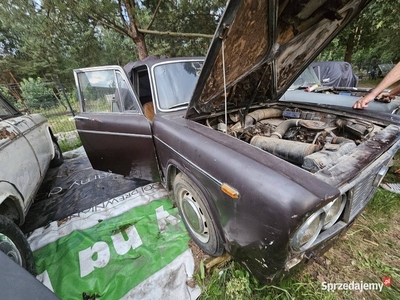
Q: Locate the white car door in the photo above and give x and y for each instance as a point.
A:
(34, 128)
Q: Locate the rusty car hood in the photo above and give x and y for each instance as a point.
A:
(267, 44)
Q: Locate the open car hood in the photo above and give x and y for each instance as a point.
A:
(267, 44)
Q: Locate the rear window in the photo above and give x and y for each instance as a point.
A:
(6, 110)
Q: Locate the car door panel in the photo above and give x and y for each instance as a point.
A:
(117, 137)
(12, 144)
(121, 146)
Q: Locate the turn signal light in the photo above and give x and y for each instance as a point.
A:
(230, 191)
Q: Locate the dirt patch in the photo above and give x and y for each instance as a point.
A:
(209, 262)
(198, 255)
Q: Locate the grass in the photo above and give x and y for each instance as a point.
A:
(233, 282)
(67, 145)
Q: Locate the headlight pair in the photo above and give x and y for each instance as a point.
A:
(322, 219)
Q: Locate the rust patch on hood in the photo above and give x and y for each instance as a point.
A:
(5, 134)
(246, 45)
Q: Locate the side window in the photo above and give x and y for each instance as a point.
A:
(105, 91)
(125, 95)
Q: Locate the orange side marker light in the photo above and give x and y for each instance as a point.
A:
(230, 191)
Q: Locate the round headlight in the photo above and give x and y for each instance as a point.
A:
(333, 210)
(308, 232)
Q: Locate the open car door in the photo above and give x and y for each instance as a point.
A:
(117, 137)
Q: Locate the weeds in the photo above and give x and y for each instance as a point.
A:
(238, 286)
(66, 145)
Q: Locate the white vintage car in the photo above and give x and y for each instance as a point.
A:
(27, 149)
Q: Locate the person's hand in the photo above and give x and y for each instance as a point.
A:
(363, 102)
(384, 97)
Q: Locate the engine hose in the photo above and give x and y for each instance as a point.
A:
(341, 140)
(281, 129)
(288, 150)
(260, 114)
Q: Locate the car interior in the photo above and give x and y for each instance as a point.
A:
(145, 97)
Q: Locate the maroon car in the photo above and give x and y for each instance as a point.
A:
(273, 183)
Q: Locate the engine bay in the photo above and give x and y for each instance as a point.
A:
(309, 139)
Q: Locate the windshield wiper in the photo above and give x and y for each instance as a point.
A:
(178, 105)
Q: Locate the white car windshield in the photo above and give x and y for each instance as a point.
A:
(175, 83)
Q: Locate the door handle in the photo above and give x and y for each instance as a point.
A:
(86, 119)
(16, 122)
(81, 118)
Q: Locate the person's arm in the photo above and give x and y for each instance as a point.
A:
(388, 96)
(395, 91)
(392, 77)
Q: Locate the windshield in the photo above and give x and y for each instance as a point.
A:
(307, 78)
(175, 83)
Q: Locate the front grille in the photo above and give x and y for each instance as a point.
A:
(363, 192)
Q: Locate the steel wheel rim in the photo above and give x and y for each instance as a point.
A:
(194, 216)
(8, 247)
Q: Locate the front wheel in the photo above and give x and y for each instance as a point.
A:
(196, 215)
(14, 244)
(58, 157)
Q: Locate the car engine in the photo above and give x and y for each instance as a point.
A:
(312, 140)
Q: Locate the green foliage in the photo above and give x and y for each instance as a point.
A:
(184, 17)
(36, 94)
(48, 39)
(4, 91)
(374, 35)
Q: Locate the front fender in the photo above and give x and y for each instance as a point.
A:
(201, 182)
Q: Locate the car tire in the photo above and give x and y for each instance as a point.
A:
(14, 244)
(58, 156)
(196, 216)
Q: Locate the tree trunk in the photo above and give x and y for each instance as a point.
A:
(141, 47)
(135, 35)
(350, 44)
